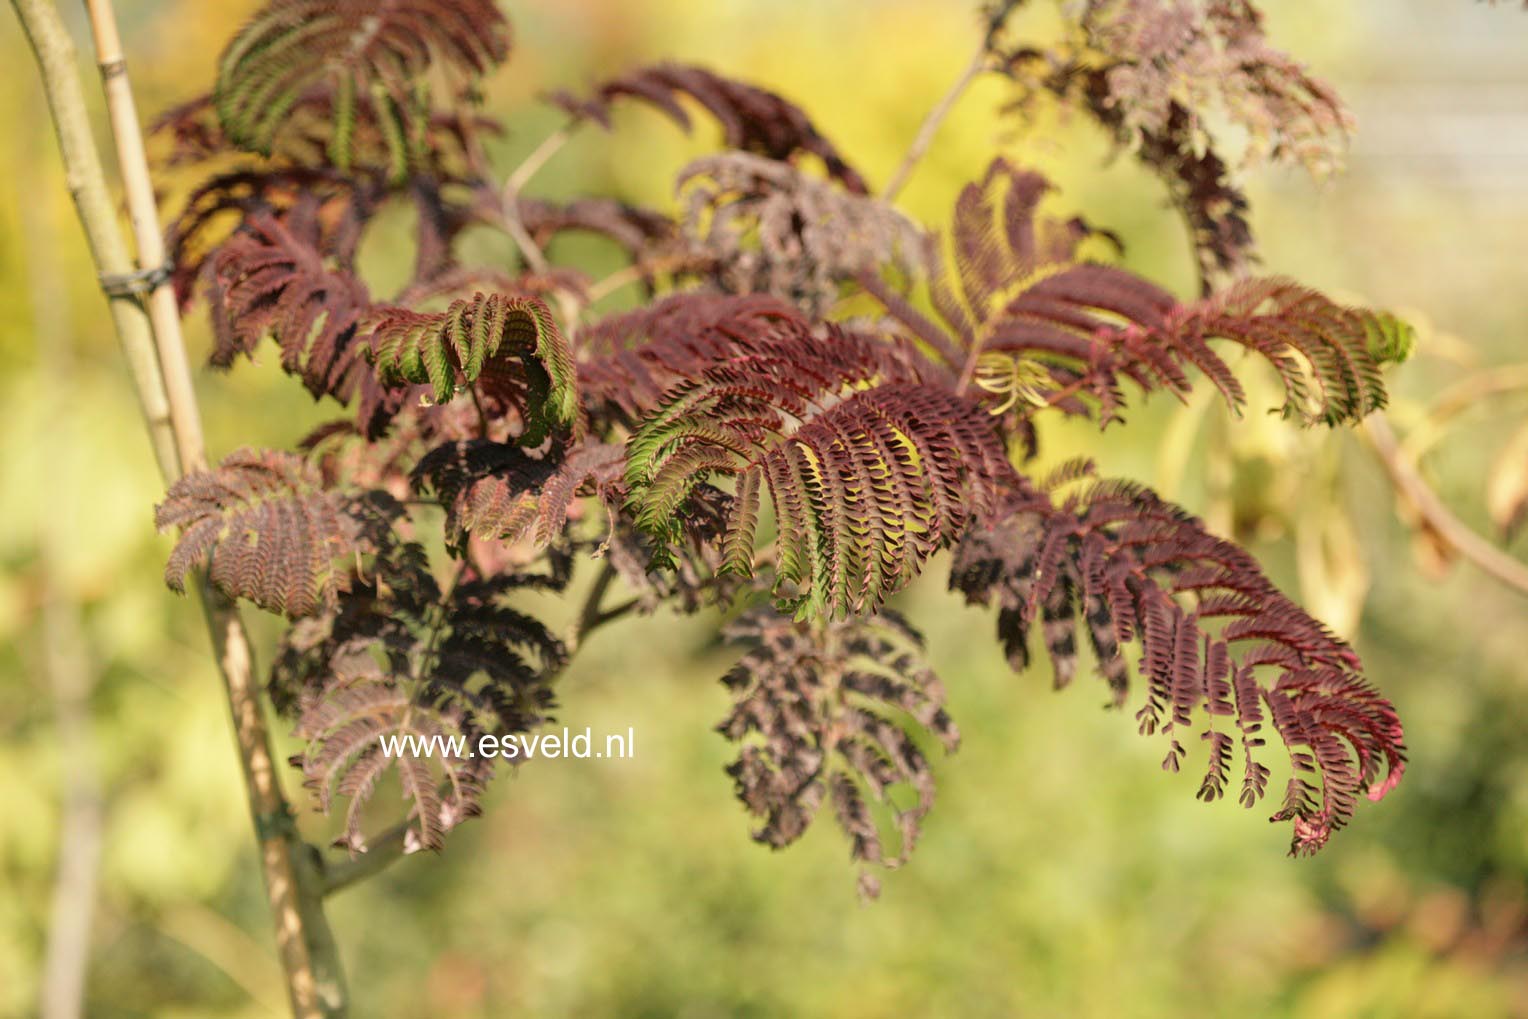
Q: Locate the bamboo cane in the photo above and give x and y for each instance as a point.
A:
(164, 315)
(61, 87)
(292, 870)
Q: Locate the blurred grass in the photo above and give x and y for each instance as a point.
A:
(1062, 874)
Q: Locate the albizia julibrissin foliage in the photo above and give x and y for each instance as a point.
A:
(738, 439)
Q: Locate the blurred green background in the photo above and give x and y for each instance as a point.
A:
(1062, 873)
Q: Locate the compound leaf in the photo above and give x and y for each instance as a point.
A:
(828, 713)
(510, 343)
(752, 119)
(357, 53)
(870, 469)
(1138, 569)
(270, 532)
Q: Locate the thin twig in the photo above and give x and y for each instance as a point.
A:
(548, 148)
(509, 196)
(592, 606)
(509, 218)
(634, 273)
(386, 849)
(902, 310)
(968, 369)
(624, 277)
(611, 614)
(1458, 398)
(482, 416)
(1453, 532)
(932, 122)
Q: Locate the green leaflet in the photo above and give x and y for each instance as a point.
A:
(509, 346)
(1391, 338)
(344, 123)
(343, 57)
(862, 492)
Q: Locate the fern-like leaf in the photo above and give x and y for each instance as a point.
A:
(1208, 622)
(752, 119)
(493, 658)
(870, 469)
(344, 758)
(1204, 57)
(1037, 329)
(627, 361)
(1201, 186)
(330, 129)
(358, 54)
(1154, 75)
(686, 576)
(270, 532)
(268, 283)
(767, 227)
(328, 197)
(511, 344)
(495, 490)
(323, 210)
(1199, 182)
(1328, 357)
(399, 658)
(828, 713)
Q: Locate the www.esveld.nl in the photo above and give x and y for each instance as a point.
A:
(550, 745)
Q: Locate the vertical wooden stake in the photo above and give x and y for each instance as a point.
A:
(151, 339)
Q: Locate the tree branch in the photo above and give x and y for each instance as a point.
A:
(385, 850)
(932, 122)
(68, 672)
(588, 616)
(66, 663)
(1453, 531)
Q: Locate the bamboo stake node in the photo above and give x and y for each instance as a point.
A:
(136, 283)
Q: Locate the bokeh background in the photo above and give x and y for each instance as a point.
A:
(1062, 873)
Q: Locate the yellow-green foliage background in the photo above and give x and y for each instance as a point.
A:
(1063, 874)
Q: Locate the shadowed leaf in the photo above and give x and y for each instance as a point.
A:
(826, 714)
